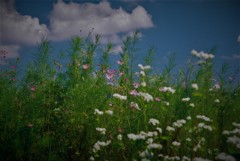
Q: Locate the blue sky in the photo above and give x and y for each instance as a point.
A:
(170, 26)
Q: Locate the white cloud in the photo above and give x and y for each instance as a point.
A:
(238, 39)
(17, 28)
(117, 49)
(67, 19)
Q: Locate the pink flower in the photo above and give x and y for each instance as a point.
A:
(85, 66)
(121, 73)
(33, 88)
(110, 74)
(120, 62)
(136, 84)
(30, 125)
(158, 99)
(134, 92)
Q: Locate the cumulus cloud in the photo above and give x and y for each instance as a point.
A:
(233, 57)
(19, 29)
(67, 19)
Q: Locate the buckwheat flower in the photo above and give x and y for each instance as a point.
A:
(203, 118)
(147, 96)
(119, 137)
(188, 139)
(86, 66)
(192, 105)
(200, 159)
(143, 84)
(121, 97)
(166, 103)
(169, 128)
(154, 146)
(176, 158)
(159, 130)
(216, 100)
(134, 105)
(98, 112)
(189, 118)
(236, 124)
(149, 141)
(151, 134)
(179, 123)
(225, 132)
(175, 143)
(185, 158)
(142, 73)
(98, 144)
(153, 121)
(201, 125)
(121, 73)
(144, 67)
(234, 140)
(194, 53)
(136, 137)
(186, 99)
(145, 154)
(226, 157)
(91, 158)
(195, 86)
(101, 130)
(109, 112)
(167, 89)
(135, 84)
(133, 92)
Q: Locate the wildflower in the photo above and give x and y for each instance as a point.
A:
(179, 123)
(30, 125)
(153, 121)
(192, 105)
(33, 88)
(119, 137)
(86, 66)
(234, 140)
(136, 85)
(159, 130)
(136, 137)
(175, 143)
(98, 112)
(169, 128)
(143, 84)
(224, 156)
(203, 118)
(154, 146)
(119, 62)
(189, 118)
(166, 103)
(134, 105)
(147, 96)
(98, 144)
(121, 97)
(195, 86)
(236, 124)
(200, 159)
(158, 99)
(109, 112)
(101, 130)
(142, 73)
(186, 99)
(121, 73)
(144, 67)
(91, 158)
(188, 139)
(110, 74)
(185, 158)
(133, 92)
(167, 89)
(216, 100)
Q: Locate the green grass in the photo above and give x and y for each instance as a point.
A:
(51, 113)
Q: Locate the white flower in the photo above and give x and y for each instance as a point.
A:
(167, 89)
(136, 137)
(189, 118)
(166, 103)
(216, 100)
(149, 141)
(109, 112)
(224, 156)
(185, 158)
(98, 112)
(134, 106)
(147, 96)
(91, 158)
(203, 118)
(186, 99)
(143, 84)
(142, 73)
(159, 130)
(98, 144)
(169, 128)
(195, 86)
(234, 140)
(119, 137)
(101, 130)
(153, 121)
(154, 146)
(188, 139)
(144, 67)
(192, 105)
(175, 143)
(236, 124)
(179, 123)
(200, 159)
(121, 97)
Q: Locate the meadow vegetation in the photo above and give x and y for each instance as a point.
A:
(80, 110)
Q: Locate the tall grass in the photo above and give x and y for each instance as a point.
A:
(78, 111)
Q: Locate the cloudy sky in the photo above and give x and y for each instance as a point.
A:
(170, 26)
